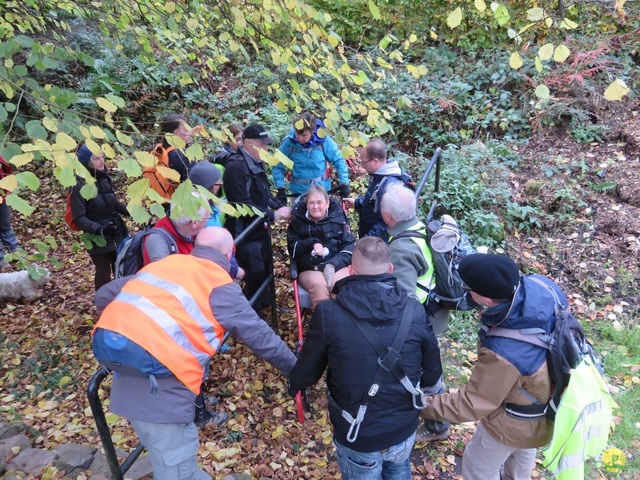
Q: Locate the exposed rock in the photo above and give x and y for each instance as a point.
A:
(21, 441)
(73, 457)
(32, 460)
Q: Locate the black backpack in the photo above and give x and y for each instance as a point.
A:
(129, 254)
(447, 256)
(566, 346)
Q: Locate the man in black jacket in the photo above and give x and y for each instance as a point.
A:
(246, 183)
(380, 442)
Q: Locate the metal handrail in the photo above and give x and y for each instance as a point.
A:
(435, 160)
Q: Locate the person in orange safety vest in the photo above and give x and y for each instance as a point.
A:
(178, 309)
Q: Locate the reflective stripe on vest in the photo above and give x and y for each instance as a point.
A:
(169, 314)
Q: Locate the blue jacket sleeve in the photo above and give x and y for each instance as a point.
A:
(277, 172)
(332, 153)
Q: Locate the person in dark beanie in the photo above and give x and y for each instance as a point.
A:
(100, 215)
(510, 384)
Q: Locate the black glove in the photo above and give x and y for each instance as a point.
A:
(344, 190)
(282, 196)
(108, 230)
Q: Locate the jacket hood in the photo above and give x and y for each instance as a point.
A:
(300, 210)
(389, 168)
(371, 297)
(315, 139)
(533, 307)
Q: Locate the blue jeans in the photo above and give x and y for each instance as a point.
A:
(392, 463)
(8, 239)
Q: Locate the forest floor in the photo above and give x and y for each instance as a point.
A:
(589, 242)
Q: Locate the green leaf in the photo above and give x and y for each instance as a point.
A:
(375, 11)
(194, 152)
(502, 15)
(130, 167)
(157, 210)
(137, 191)
(89, 191)
(138, 213)
(542, 92)
(117, 101)
(65, 176)
(19, 205)
(454, 18)
(29, 180)
(37, 132)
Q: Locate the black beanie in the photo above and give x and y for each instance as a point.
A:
(492, 276)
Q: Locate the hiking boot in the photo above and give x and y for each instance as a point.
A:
(424, 435)
(209, 417)
(211, 400)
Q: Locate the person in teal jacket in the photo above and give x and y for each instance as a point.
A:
(310, 152)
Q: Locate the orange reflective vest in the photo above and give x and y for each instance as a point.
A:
(168, 314)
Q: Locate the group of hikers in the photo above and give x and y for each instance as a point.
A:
(373, 326)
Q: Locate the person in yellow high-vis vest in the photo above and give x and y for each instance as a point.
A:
(581, 426)
(178, 310)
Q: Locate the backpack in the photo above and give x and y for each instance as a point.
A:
(68, 214)
(566, 347)
(448, 245)
(162, 185)
(129, 258)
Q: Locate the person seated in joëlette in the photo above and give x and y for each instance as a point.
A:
(320, 241)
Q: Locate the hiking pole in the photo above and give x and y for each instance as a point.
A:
(298, 397)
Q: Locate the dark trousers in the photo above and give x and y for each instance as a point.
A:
(105, 266)
(252, 256)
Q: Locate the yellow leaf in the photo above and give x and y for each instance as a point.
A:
(50, 124)
(277, 432)
(169, 173)
(192, 24)
(64, 381)
(480, 5)
(106, 104)
(22, 159)
(454, 18)
(545, 52)
(515, 60)
(9, 183)
(122, 138)
(561, 54)
(433, 35)
(568, 24)
(97, 132)
(93, 146)
(616, 90)
(65, 142)
(538, 65)
(108, 150)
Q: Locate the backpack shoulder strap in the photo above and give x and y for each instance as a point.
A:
(173, 246)
(388, 362)
(534, 336)
(411, 233)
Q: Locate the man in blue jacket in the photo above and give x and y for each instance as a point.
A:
(380, 442)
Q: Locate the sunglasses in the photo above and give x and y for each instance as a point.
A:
(465, 287)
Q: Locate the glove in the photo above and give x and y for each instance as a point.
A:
(329, 270)
(344, 190)
(108, 230)
(282, 196)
